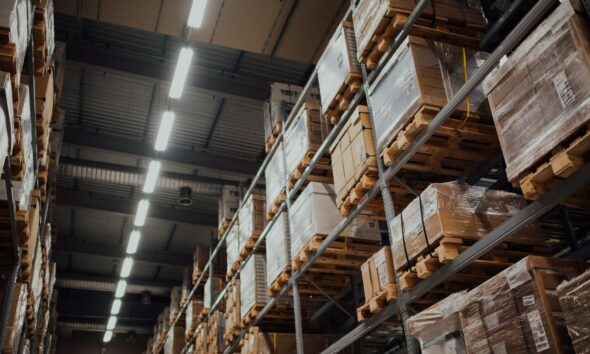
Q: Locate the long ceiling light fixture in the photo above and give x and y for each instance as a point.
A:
(126, 268)
(134, 238)
(121, 288)
(164, 131)
(195, 18)
(181, 72)
(151, 177)
(108, 335)
(142, 210)
(116, 307)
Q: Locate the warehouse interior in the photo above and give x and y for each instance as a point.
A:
(295, 176)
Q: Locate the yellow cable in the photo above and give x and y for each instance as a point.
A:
(465, 78)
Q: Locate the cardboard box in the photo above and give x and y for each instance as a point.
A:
(253, 287)
(278, 249)
(16, 316)
(175, 341)
(251, 216)
(228, 203)
(574, 298)
(275, 176)
(16, 17)
(377, 272)
(208, 299)
(193, 310)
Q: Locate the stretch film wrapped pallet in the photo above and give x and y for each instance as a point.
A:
(16, 21)
(208, 298)
(421, 73)
(451, 211)
(7, 133)
(275, 176)
(252, 215)
(44, 33)
(377, 273)
(175, 295)
(253, 288)
(232, 316)
(232, 242)
(216, 344)
(574, 297)
(228, 205)
(278, 250)
(193, 310)
(175, 340)
(16, 316)
(541, 95)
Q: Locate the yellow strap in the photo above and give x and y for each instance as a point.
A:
(274, 343)
(465, 78)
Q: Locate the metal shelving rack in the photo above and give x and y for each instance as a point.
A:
(530, 213)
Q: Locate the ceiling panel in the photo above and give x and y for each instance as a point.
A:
(173, 17)
(142, 14)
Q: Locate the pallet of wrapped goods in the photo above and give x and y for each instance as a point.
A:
(193, 310)
(43, 35)
(208, 298)
(275, 176)
(258, 342)
(278, 255)
(201, 338)
(252, 215)
(7, 108)
(34, 290)
(377, 22)
(232, 247)
(253, 289)
(16, 316)
(231, 316)
(175, 294)
(432, 72)
(16, 20)
(278, 107)
(574, 298)
(303, 138)
(540, 99)
(174, 341)
(216, 325)
(312, 217)
(379, 286)
(187, 284)
(339, 73)
(228, 205)
(200, 259)
(445, 220)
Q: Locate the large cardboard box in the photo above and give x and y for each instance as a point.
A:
(232, 244)
(377, 273)
(175, 341)
(253, 287)
(193, 311)
(541, 95)
(574, 298)
(208, 297)
(16, 17)
(278, 249)
(275, 175)
(228, 203)
(251, 216)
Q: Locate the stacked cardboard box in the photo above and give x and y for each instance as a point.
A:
(278, 255)
(175, 340)
(232, 247)
(574, 297)
(193, 310)
(231, 316)
(540, 98)
(252, 215)
(16, 316)
(175, 295)
(43, 34)
(253, 287)
(378, 273)
(275, 176)
(228, 205)
(16, 21)
(216, 326)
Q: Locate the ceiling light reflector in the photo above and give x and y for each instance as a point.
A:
(164, 131)
(195, 18)
(133, 241)
(142, 210)
(151, 177)
(180, 73)
(121, 287)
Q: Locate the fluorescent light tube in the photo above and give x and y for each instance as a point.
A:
(180, 73)
(108, 335)
(152, 176)
(195, 18)
(126, 268)
(116, 307)
(133, 241)
(121, 287)
(164, 131)
(142, 210)
(112, 323)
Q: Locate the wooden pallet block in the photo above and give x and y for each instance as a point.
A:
(277, 285)
(341, 102)
(223, 228)
(322, 171)
(563, 162)
(272, 139)
(377, 303)
(251, 314)
(461, 34)
(233, 270)
(276, 204)
(456, 149)
(343, 256)
(365, 180)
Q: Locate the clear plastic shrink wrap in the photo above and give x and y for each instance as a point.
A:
(574, 298)
(251, 216)
(228, 203)
(278, 249)
(455, 209)
(7, 137)
(315, 213)
(174, 341)
(541, 94)
(16, 17)
(232, 243)
(275, 176)
(421, 72)
(305, 134)
(253, 289)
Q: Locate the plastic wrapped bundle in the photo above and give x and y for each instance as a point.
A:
(208, 299)
(315, 213)
(175, 294)
(452, 211)
(16, 18)
(421, 73)
(251, 216)
(44, 33)
(541, 95)
(16, 316)
(216, 326)
(200, 259)
(339, 72)
(253, 288)
(278, 254)
(275, 176)
(438, 328)
(193, 310)
(7, 138)
(175, 341)
(232, 242)
(228, 204)
(574, 298)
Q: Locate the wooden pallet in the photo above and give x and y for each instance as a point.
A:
(377, 302)
(322, 171)
(272, 139)
(456, 149)
(564, 161)
(234, 268)
(366, 179)
(251, 314)
(279, 282)
(443, 30)
(343, 256)
(341, 102)
(273, 208)
(223, 228)
(449, 248)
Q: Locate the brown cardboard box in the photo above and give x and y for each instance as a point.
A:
(16, 316)
(258, 342)
(574, 298)
(367, 283)
(175, 340)
(377, 272)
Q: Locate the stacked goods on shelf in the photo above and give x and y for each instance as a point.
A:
(445, 220)
(208, 297)
(43, 34)
(516, 310)
(540, 98)
(378, 283)
(174, 340)
(278, 255)
(431, 72)
(275, 176)
(574, 298)
(200, 259)
(253, 290)
(354, 164)
(228, 205)
(377, 22)
(232, 244)
(231, 316)
(303, 137)
(339, 73)
(259, 342)
(278, 107)
(16, 21)
(187, 282)
(175, 295)
(216, 326)
(193, 310)
(201, 338)
(162, 325)
(7, 107)
(35, 288)
(252, 215)
(16, 316)
(312, 217)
